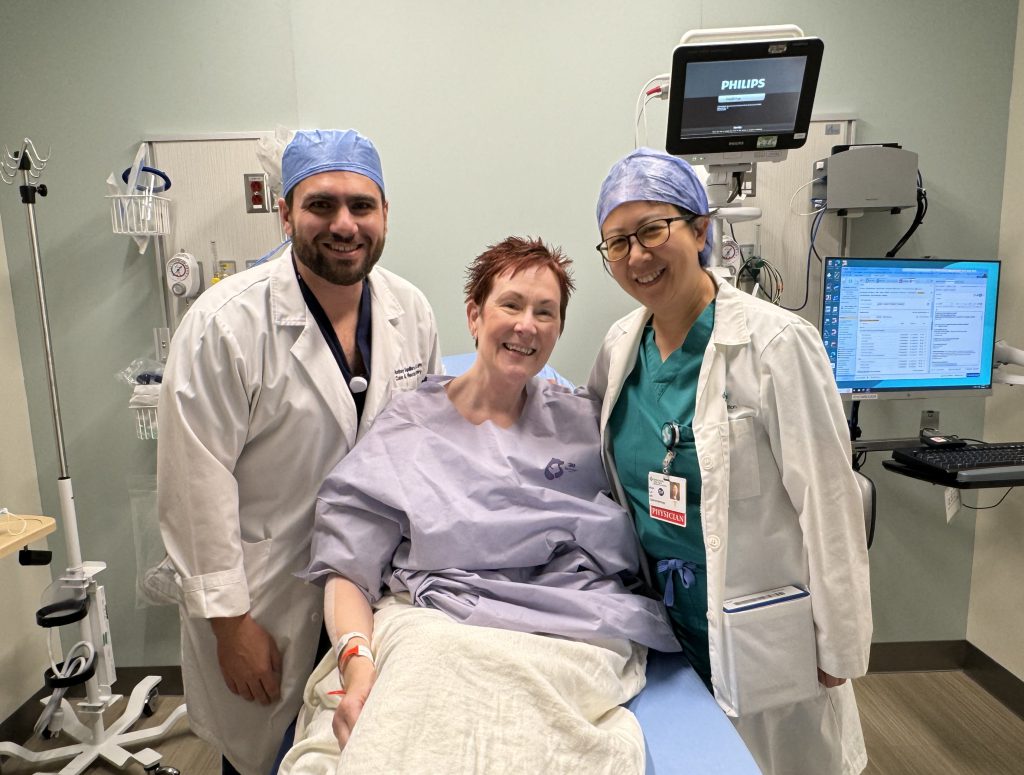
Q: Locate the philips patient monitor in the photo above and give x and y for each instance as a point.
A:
(909, 327)
(741, 101)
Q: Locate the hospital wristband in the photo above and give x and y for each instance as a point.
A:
(357, 651)
(339, 647)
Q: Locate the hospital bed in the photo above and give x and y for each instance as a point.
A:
(457, 364)
(685, 731)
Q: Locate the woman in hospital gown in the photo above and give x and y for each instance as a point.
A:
(732, 399)
(481, 500)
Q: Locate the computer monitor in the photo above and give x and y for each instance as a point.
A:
(741, 102)
(909, 327)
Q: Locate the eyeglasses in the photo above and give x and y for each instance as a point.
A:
(651, 235)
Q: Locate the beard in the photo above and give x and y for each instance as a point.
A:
(310, 255)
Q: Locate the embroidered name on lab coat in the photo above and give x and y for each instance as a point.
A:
(409, 372)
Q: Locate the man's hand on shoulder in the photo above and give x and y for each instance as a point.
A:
(249, 659)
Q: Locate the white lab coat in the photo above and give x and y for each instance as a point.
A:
(253, 414)
(779, 506)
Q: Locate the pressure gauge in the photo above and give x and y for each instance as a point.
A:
(730, 250)
(183, 277)
(731, 253)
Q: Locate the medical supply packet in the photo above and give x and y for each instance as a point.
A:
(769, 650)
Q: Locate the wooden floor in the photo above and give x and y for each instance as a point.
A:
(927, 723)
(937, 723)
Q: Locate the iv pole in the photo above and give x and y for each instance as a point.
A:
(94, 740)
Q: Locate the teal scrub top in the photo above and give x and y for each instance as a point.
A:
(656, 392)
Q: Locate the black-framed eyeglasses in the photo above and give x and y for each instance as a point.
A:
(651, 235)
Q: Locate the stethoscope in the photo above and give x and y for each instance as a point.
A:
(358, 385)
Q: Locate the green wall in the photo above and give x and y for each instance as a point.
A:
(492, 119)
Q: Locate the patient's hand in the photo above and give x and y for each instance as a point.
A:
(359, 678)
(249, 659)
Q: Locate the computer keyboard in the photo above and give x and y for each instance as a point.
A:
(976, 461)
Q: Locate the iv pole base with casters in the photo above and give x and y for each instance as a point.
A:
(95, 740)
(110, 746)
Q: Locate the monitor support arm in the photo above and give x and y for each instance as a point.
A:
(1005, 355)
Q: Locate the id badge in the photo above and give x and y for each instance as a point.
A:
(667, 496)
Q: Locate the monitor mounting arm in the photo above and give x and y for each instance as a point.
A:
(1005, 355)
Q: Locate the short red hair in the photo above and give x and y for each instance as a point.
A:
(513, 255)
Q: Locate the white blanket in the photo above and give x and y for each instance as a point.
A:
(457, 699)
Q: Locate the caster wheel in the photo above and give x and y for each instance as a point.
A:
(150, 707)
(156, 769)
(49, 734)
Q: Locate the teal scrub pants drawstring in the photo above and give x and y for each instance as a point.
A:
(686, 577)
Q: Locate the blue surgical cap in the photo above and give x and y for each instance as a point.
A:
(647, 175)
(329, 150)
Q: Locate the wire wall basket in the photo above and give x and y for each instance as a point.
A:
(145, 423)
(144, 401)
(140, 215)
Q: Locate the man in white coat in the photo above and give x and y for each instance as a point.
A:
(272, 376)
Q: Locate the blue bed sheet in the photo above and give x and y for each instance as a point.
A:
(684, 729)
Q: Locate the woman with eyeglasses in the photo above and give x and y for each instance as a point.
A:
(725, 437)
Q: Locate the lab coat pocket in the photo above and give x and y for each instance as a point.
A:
(744, 480)
(255, 559)
(769, 653)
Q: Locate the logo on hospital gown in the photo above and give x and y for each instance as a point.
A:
(556, 468)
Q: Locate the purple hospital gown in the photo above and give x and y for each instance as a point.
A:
(497, 527)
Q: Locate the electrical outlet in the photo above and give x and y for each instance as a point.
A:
(258, 198)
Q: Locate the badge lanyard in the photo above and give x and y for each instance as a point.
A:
(666, 493)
